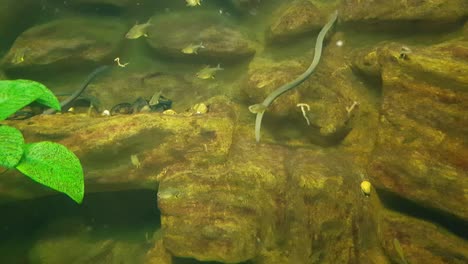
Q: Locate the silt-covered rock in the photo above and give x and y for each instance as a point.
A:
(65, 42)
(422, 152)
(170, 33)
(295, 19)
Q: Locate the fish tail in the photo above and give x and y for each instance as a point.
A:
(149, 21)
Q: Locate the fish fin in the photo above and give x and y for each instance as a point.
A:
(149, 21)
(219, 67)
(145, 35)
(201, 45)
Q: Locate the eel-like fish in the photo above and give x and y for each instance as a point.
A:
(77, 93)
(259, 109)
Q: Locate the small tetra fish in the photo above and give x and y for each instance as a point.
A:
(138, 30)
(208, 72)
(193, 2)
(193, 49)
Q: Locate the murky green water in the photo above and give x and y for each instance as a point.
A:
(113, 227)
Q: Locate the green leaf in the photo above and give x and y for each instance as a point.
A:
(16, 94)
(11, 146)
(55, 166)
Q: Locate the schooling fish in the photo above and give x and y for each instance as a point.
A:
(138, 30)
(208, 72)
(193, 2)
(193, 49)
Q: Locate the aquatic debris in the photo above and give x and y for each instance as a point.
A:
(399, 250)
(351, 108)
(208, 72)
(193, 2)
(105, 113)
(366, 188)
(138, 30)
(193, 49)
(281, 90)
(404, 51)
(200, 108)
(135, 161)
(303, 109)
(119, 64)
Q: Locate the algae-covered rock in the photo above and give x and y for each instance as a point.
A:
(65, 42)
(365, 61)
(410, 240)
(158, 254)
(266, 75)
(104, 146)
(277, 211)
(195, 223)
(422, 152)
(295, 19)
(170, 33)
(404, 15)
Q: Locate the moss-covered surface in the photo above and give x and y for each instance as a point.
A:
(404, 15)
(294, 19)
(423, 119)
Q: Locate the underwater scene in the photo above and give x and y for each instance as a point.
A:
(233, 131)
